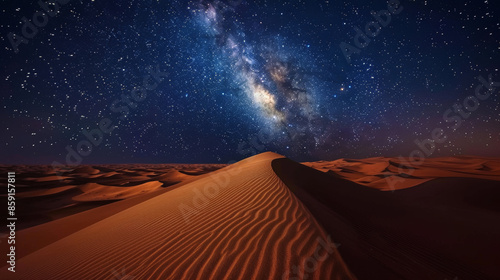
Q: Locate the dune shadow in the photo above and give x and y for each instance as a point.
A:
(443, 228)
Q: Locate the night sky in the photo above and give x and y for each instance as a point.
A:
(215, 81)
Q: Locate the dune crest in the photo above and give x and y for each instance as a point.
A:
(249, 227)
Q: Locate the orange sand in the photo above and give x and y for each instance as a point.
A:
(265, 217)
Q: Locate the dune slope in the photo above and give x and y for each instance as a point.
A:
(241, 222)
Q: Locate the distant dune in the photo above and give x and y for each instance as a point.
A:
(265, 217)
(397, 173)
(44, 194)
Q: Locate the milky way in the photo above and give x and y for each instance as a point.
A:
(264, 71)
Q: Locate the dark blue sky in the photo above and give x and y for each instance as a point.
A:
(227, 79)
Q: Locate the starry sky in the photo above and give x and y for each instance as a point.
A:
(215, 81)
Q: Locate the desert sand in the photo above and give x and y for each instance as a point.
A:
(399, 173)
(44, 194)
(248, 225)
(265, 217)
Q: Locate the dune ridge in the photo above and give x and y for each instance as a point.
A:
(254, 228)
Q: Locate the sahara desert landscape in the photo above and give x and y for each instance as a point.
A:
(250, 140)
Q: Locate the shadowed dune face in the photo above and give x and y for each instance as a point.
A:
(443, 228)
(400, 173)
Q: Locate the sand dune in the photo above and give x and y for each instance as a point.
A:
(395, 173)
(265, 217)
(97, 192)
(249, 227)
